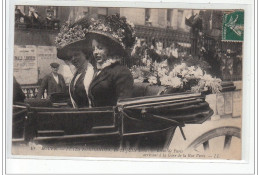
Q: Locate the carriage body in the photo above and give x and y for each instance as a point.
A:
(146, 122)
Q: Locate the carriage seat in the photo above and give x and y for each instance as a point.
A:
(35, 102)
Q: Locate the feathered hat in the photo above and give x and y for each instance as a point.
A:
(115, 29)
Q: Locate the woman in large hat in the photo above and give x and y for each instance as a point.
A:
(102, 42)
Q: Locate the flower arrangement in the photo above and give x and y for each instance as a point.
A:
(179, 76)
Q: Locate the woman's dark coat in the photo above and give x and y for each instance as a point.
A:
(111, 84)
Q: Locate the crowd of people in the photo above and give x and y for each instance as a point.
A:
(35, 20)
(174, 50)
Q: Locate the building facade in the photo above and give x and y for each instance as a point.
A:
(166, 25)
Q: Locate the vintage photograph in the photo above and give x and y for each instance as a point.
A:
(125, 82)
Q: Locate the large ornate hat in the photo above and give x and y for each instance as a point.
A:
(116, 29)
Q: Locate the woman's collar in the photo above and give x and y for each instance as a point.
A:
(107, 63)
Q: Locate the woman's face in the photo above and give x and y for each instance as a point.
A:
(99, 51)
(78, 58)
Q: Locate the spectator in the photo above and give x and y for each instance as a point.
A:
(53, 82)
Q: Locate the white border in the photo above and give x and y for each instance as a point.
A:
(72, 165)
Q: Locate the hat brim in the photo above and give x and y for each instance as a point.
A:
(84, 44)
(114, 47)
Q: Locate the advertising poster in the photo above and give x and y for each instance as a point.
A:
(25, 65)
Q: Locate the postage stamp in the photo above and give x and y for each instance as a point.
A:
(233, 26)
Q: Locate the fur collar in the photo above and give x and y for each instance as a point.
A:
(107, 63)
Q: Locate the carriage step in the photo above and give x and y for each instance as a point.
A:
(50, 133)
(98, 129)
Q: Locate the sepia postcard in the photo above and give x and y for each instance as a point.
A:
(127, 82)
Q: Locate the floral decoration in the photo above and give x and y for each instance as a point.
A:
(180, 76)
(70, 35)
(115, 27)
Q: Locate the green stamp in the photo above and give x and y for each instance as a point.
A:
(233, 26)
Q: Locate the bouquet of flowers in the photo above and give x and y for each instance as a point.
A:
(159, 66)
(180, 77)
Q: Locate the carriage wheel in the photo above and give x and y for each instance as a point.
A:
(227, 132)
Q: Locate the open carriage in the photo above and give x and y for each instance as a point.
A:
(148, 121)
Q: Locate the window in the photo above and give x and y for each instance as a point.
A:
(147, 17)
(180, 16)
(51, 12)
(86, 11)
(169, 17)
(102, 12)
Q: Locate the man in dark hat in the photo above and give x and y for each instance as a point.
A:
(53, 82)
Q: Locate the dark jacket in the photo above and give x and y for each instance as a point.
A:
(111, 84)
(51, 85)
(78, 92)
